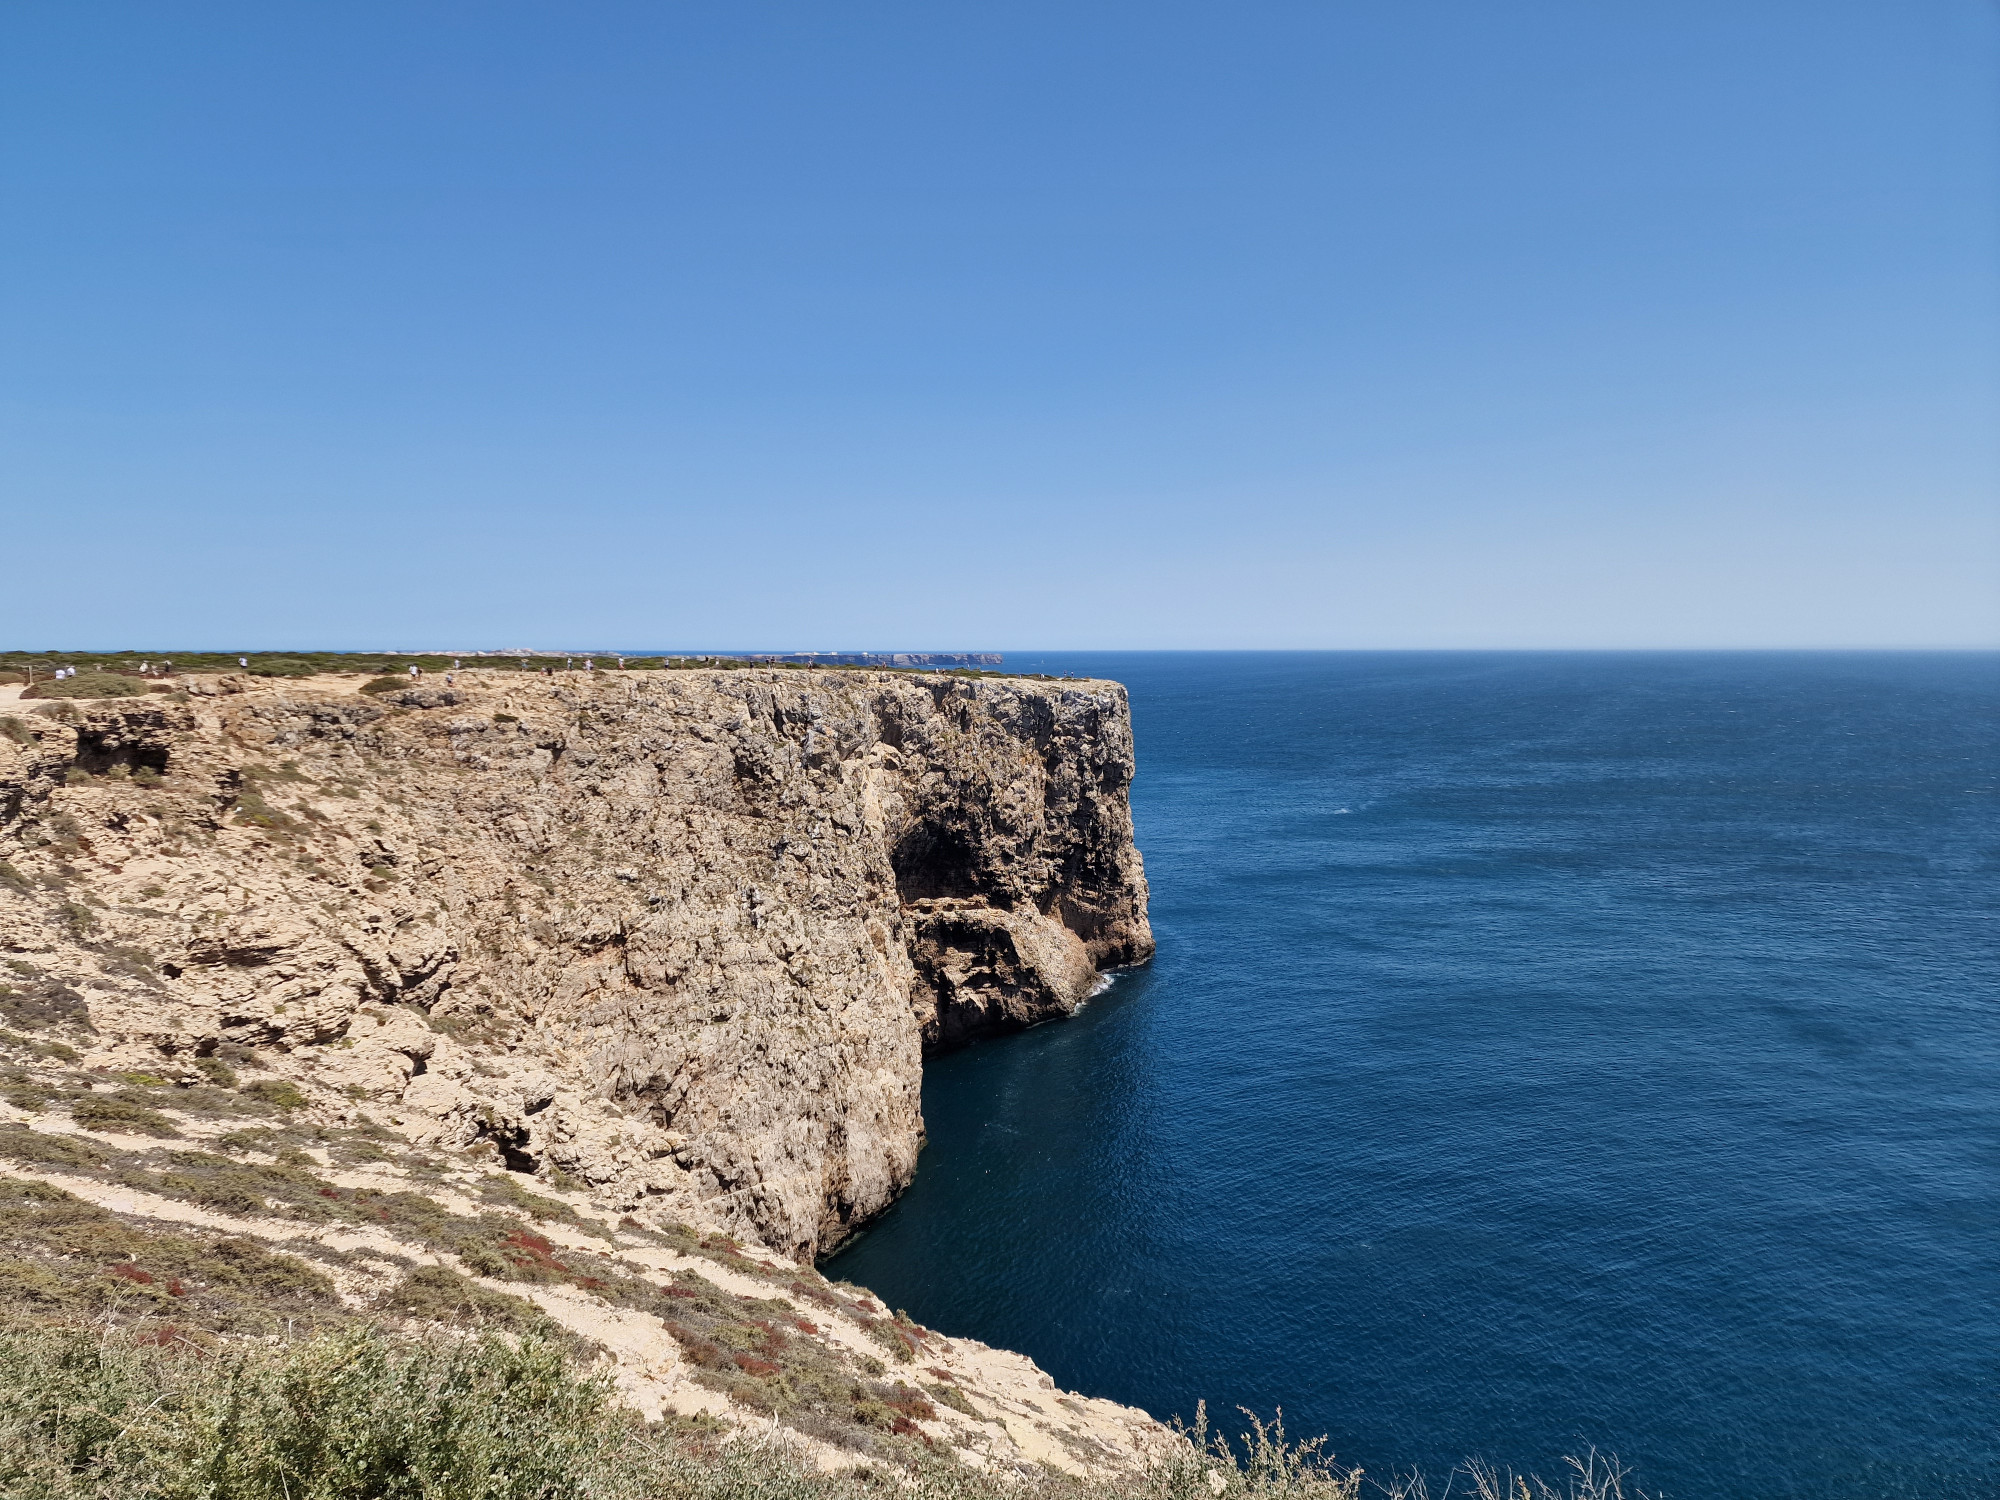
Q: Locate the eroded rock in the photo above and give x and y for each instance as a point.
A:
(683, 936)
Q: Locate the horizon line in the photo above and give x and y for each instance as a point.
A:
(741, 652)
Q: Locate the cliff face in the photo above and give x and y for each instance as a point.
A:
(684, 936)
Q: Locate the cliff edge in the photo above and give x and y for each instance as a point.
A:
(682, 936)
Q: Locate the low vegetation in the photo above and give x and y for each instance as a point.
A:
(146, 1358)
(67, 1258)
(355, 1414)
(157, 1416)
(89, 685)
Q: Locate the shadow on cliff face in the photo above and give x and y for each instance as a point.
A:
(933, 862)
(100, 751)
(987, 962)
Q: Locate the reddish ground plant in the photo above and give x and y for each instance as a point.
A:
(698, 1349)
(532, 1252)
(910, 1403)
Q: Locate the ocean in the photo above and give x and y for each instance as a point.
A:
(1543, 1050)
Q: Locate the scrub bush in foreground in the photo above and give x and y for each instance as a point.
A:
(151, 1414)
(153, 1417)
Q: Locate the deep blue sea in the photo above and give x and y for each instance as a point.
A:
(1542, 1050)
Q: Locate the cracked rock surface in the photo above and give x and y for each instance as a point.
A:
(683, 937)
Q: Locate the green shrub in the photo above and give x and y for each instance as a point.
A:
(436, 1294)
(39, 1149)
(36, 1288)
(953, 1397)
(506, 1190)
(118, 1113)
(252, 811)
(41, 1004)
(248, 1266)
(133, 963)
(89, 685)
(890, 1336)
(282, 666)
(480, 1260)
(347, 1417)
(37, 1047)
(216, 1071)
(240, 1187)
(386, 684)
(275, 1092)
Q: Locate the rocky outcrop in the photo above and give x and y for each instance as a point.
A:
(682, 936)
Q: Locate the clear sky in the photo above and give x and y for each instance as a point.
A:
(857, 325)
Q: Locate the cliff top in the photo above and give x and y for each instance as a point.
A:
(20, 666)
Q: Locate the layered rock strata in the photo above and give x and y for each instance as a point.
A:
(684, 937)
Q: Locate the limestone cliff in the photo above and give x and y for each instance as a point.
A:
(682, 936)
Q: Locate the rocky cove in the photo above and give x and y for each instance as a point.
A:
(607, 994)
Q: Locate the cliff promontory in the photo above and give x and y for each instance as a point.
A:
(712, 920)
(674, 943)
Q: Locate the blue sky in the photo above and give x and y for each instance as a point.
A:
(870, 326)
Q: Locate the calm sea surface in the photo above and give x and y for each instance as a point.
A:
(1541, 1050)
